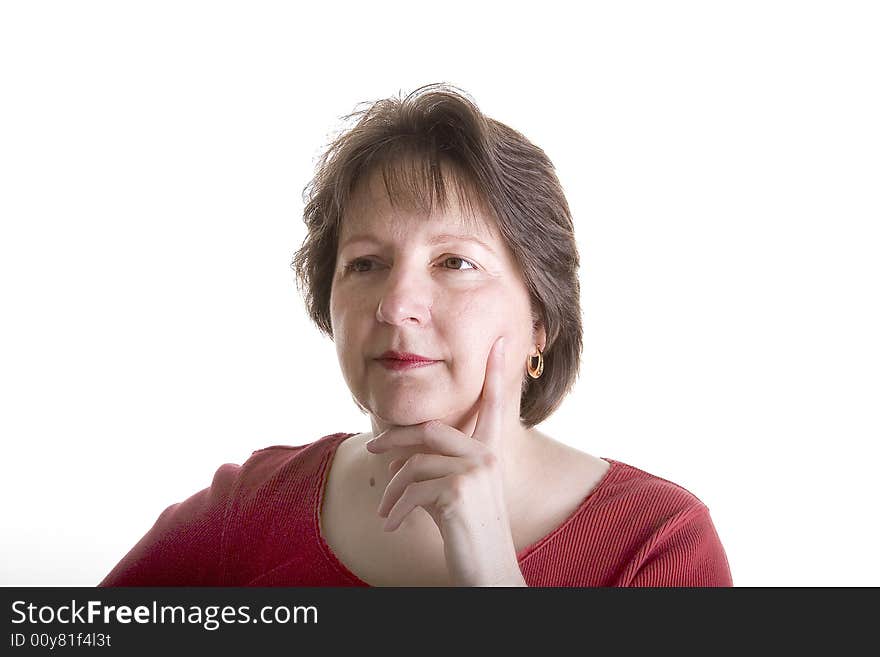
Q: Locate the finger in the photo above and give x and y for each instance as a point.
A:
(419, 467)
(490, 418)
(433, 435)
(426, 494)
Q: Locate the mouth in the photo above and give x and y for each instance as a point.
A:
(406, 356)
(397, 365)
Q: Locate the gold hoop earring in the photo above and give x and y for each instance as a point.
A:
(537, 371)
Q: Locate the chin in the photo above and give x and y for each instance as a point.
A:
(402, 417)
(406, 415)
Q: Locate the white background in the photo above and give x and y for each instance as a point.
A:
(721, 161)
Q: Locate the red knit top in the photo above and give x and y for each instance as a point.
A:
(257, 524)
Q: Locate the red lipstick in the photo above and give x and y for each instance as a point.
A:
(403, 355)
(401, 360)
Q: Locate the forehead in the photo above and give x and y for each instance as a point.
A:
(398, 199)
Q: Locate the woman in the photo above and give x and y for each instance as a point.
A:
(440, 258)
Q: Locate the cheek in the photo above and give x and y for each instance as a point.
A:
(351, 310)
(478, 306)
(485, 316)
(346, 310)
(346, 335)
(471, 328)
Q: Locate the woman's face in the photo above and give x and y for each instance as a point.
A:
(398, 285)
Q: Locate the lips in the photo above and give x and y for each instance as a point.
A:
(401, 365)
(404, 360)
(406, 357)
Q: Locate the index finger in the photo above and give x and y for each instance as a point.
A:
(490, 419)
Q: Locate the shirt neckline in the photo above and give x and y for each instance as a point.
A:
(333, 443)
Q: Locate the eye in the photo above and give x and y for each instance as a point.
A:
(355, 265)
(472, 265)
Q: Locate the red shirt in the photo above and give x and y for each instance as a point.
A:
(257, 524)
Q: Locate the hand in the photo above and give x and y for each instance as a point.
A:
(458, 481)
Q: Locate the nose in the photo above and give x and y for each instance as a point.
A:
(405, 298)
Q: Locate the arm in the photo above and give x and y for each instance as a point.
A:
(183, 548)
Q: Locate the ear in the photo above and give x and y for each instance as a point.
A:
(539, 335)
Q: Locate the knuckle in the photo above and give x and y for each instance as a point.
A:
(453, 496)
(457, 487)
(489, 460)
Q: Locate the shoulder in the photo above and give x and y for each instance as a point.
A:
(284, 467)
(643, 505)
(669, 531)
(188, 543)
(627, 482)
(269, 461)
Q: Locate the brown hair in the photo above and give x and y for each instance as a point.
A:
(493, 165)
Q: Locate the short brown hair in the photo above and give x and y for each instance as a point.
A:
(495, 166)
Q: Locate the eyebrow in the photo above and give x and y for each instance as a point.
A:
(436, 239)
